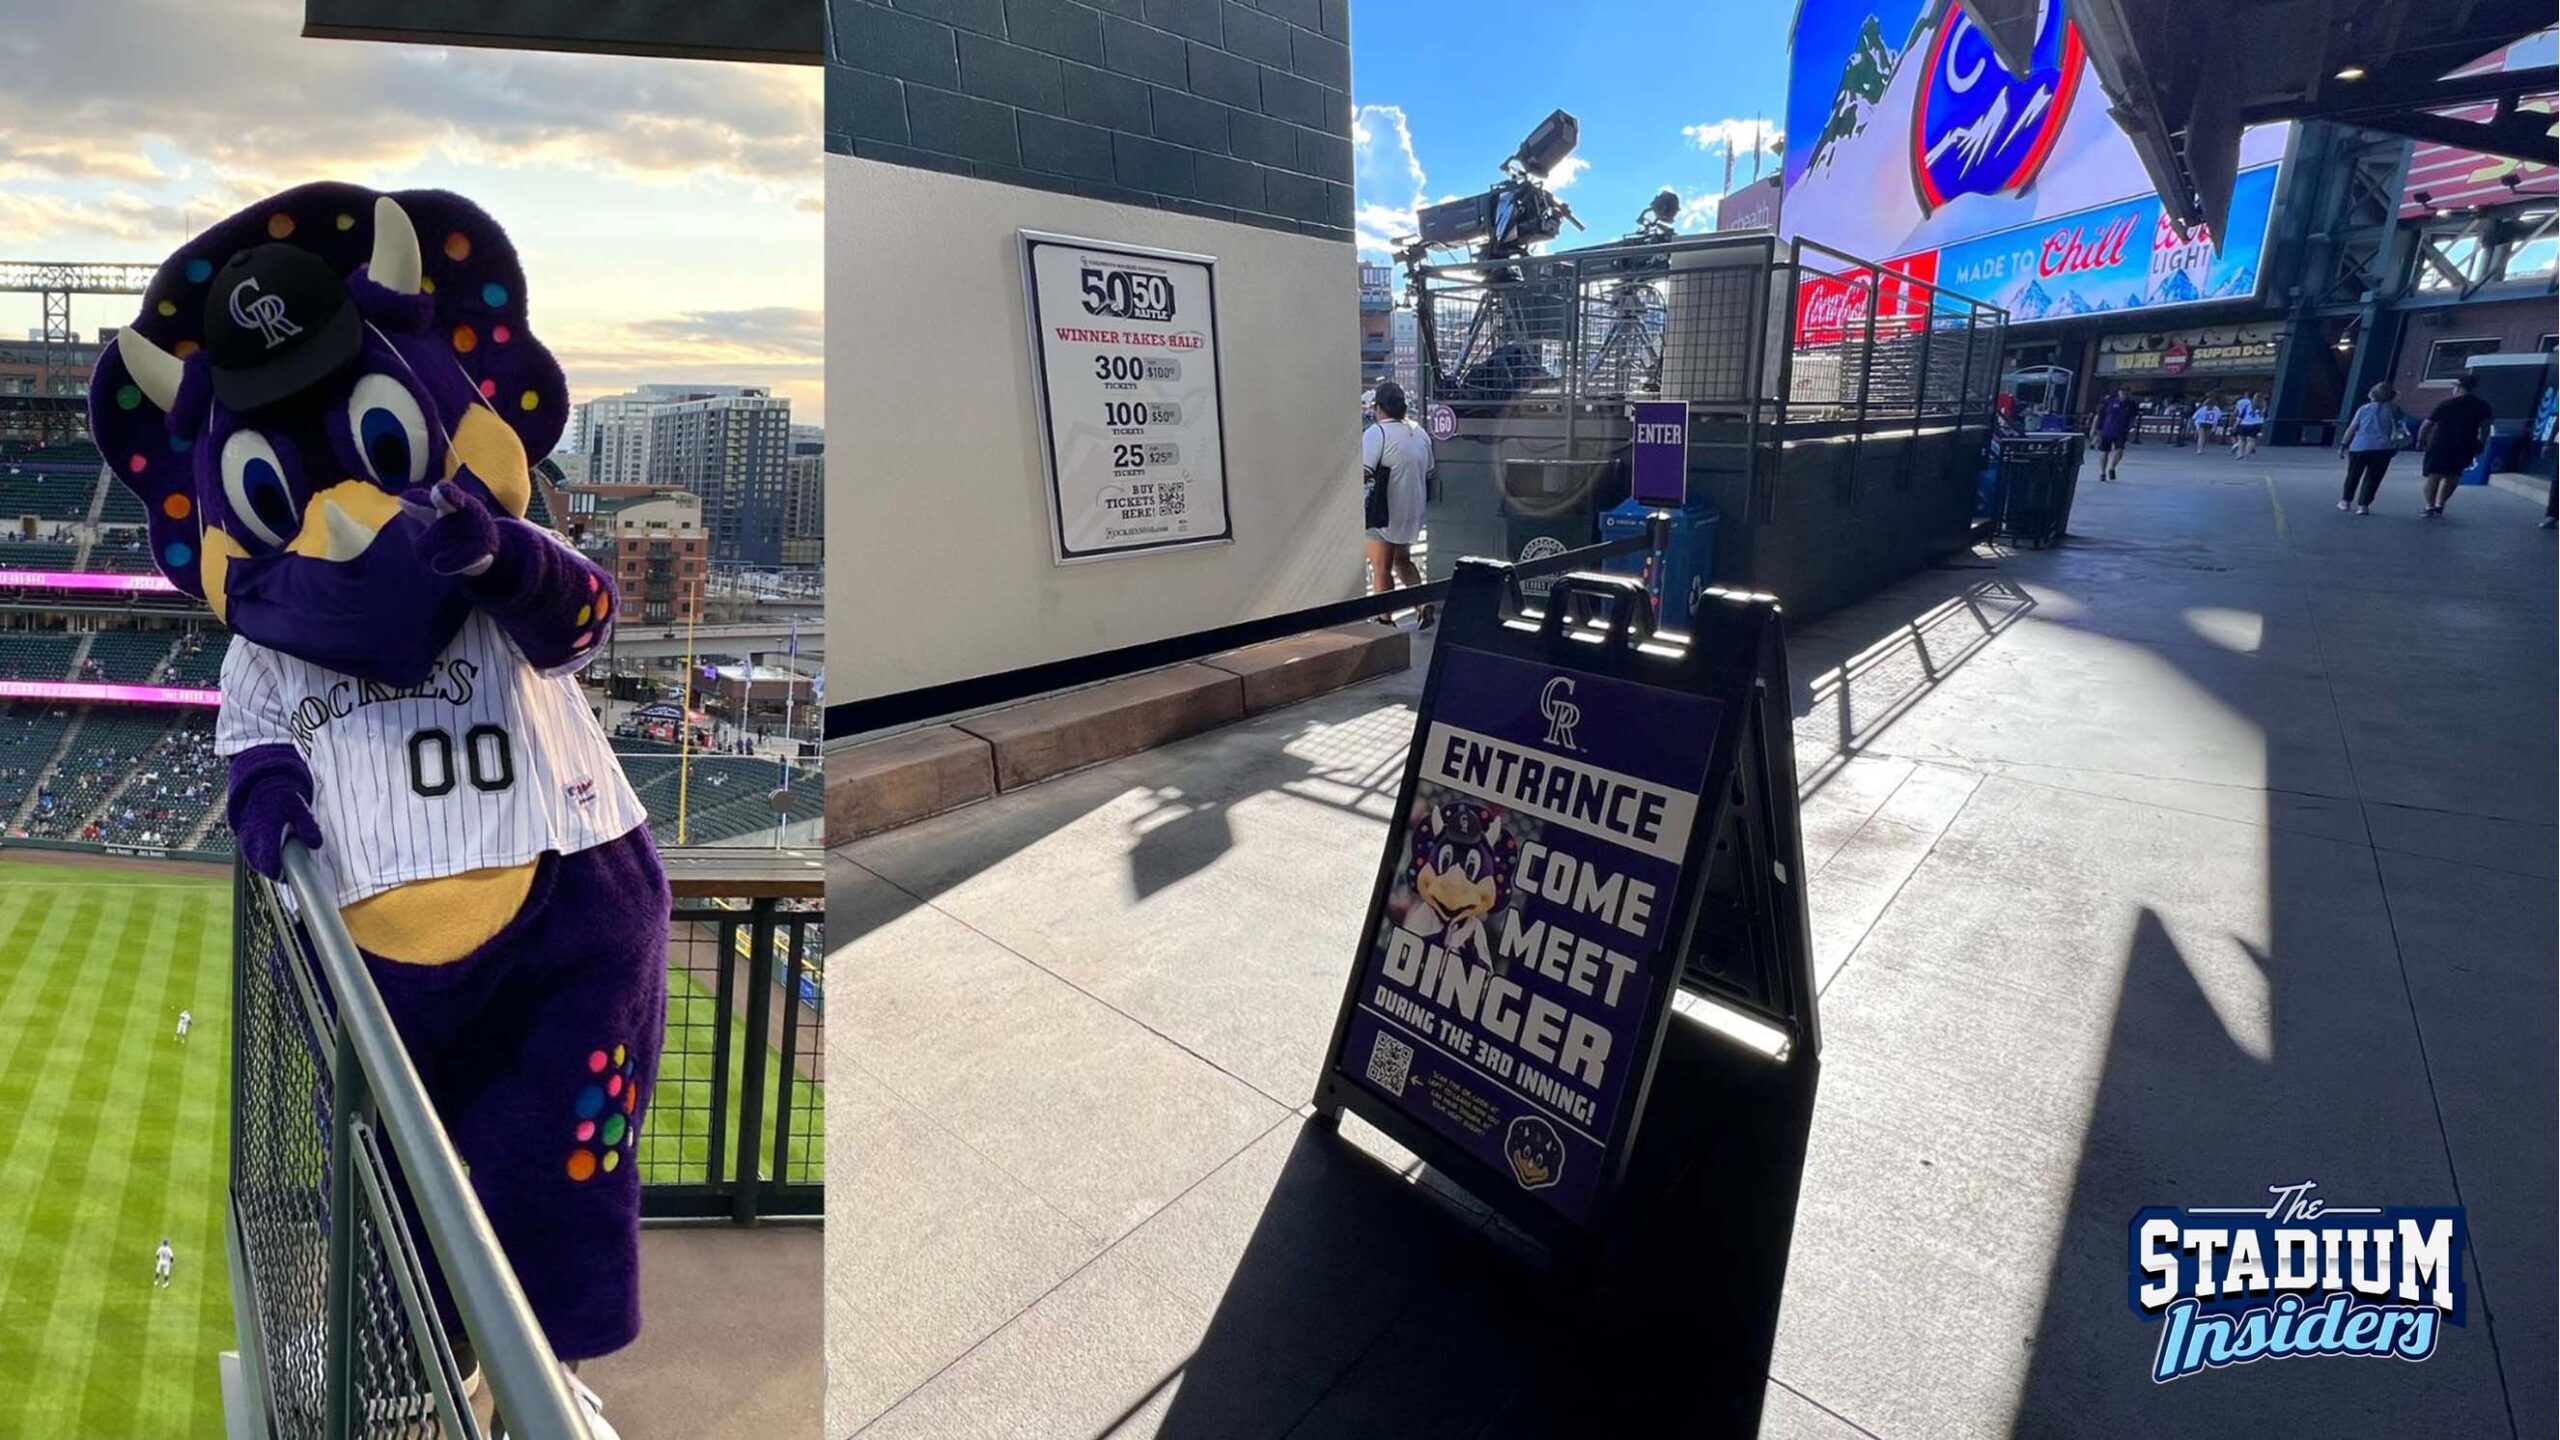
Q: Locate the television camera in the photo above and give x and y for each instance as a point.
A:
(1518, 212)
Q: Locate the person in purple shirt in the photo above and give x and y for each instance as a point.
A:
(2112, 426)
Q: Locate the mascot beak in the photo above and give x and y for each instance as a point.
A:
(341, 522)
(395, 265)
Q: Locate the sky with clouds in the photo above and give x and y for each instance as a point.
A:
(668, 211)
(1442, 93)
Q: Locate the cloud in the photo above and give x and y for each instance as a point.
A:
(1567, 170)
(1386, 179)
(1697, 212)
(234, 83)
(1734, 137)
(770, 331)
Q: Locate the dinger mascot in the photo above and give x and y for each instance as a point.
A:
(326, 407)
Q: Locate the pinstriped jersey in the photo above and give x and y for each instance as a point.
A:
(486, 762)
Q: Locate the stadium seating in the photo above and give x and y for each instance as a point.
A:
(28, 655)
(101, 756)
(119, 553)
(49, 494)
(123, 507)
(199, 659)
(37, 555)
(28, 735)
(131, 657)
(176, 783)
(727, 796)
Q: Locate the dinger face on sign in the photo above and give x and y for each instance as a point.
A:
(1125, 346)
(1502, 999)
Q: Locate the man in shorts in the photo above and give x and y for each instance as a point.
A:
(2452, 438)
(2111, 427)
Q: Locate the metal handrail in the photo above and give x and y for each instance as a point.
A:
(373, 1067)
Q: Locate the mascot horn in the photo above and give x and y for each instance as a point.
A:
(326, 407)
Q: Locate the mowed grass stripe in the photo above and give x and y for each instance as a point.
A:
(82, 1255)
(87, 1335)
(183, 1147)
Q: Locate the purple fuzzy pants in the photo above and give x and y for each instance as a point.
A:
(540, 1050)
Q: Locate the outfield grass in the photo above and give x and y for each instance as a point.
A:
(676, 1141)
(112, 1135)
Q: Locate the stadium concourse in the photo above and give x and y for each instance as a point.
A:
(106, 733)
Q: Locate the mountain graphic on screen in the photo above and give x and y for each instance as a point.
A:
(2031, 302)
(2243, 281)
(1862, 83)
(2177, 289)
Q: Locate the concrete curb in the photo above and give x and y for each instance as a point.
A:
(886, 784)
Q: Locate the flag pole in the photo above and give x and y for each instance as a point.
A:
(684, 715)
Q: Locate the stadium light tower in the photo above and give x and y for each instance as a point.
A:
(57, 281)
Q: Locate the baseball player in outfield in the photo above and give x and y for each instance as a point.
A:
(186, 1022)
(327, 423)
(161, 1263)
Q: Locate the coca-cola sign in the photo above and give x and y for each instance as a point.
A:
(1832, 307)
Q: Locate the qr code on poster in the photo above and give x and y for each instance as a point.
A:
(1390, 1064)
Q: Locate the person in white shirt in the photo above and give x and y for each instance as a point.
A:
(1395, 456)
(2248, 420)
(2207, 419)
(161, 1262)
(186, 1022)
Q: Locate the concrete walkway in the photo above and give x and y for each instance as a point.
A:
(2210, 850)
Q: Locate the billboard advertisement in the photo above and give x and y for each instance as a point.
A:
(1918, 142)
(2453, 178)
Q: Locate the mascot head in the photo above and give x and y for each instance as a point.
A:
(1462, 860)
(297, 372)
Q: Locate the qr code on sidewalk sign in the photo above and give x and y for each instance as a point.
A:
(1390, 1064)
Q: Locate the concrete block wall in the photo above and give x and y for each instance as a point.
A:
(1217, 108)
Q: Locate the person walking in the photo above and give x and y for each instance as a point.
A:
(1395, 464)
(2452, 438)
(2249, 419)
(161, 1262)
(2373, 435)
(2111, 427)
(186, 1022)
(2207, 419)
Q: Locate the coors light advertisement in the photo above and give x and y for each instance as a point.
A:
(1907, 138)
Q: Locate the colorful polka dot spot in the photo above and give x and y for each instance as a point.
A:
(181, 444)
(529, 400)
(493, 294)
(465, 339)
(582, 1164)
(279, 226)
(586, 1130)
(428, 285)
(457, 246)
(620, 1056)
(166, 308)
(199, 270)
(613, 1126)
(590, 1102)
(501, 334)
(595, 1063)
(613, 1085)
(612, 1160)
(586, 613)
(488, 389)
(179, 552)
(183, 349)
(136, 463)
(176, 507)
(346, 222)
(128, 396)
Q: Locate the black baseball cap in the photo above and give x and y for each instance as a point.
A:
(277, 321)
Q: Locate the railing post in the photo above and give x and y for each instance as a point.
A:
(759, 981)
(347, 1093)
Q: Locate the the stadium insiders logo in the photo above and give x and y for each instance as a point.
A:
(2295, 1277)
(1556, 704)
(1979, 130)
(263, 313)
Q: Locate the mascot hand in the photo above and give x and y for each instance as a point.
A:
(462, 536)
(271, 801)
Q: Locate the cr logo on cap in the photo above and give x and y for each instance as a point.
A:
(265, 313)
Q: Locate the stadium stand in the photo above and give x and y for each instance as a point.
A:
(199, 659)
(95, 765)
(29, 734)
(727, 796)
(36, 655)
(63, 492)
(119, 552)
(177, 782)
(38, 555)
(130, 657)
(123, 507)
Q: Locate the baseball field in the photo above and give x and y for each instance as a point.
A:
(112, 1136)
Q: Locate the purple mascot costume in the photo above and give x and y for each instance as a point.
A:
(326, 407)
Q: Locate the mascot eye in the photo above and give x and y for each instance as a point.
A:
(1440, 859)
(1475, 864)
(253, 481)
(390, 429)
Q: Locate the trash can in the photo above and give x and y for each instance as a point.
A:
(1687, 563)
(2505, 443)
(2039, 476)
(1547, 509)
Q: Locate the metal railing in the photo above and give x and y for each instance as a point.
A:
(339, 1333)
